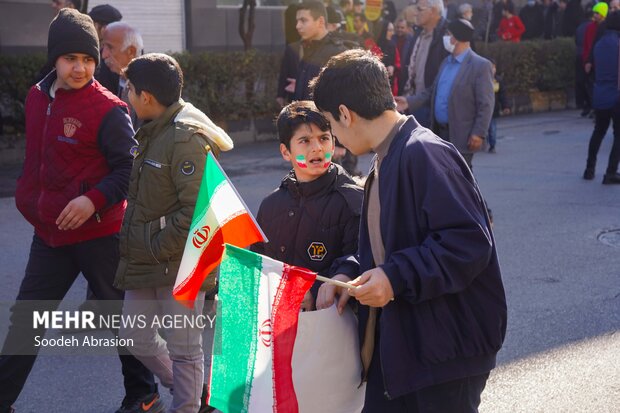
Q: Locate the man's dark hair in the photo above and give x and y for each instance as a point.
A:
(296, 114)
(362, 17)
(316, 8)
(158, 74)
(357, 79)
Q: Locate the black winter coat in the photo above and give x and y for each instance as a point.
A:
(305, 64)
(310, 224)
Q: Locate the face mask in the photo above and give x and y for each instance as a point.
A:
(447, 44)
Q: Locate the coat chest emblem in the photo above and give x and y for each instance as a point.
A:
(317, 251)
(70, 126)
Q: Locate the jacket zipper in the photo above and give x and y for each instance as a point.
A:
(385, 393)
(148, 242)
(41, 151)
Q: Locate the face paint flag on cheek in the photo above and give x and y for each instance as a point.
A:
(301, 161)
(328, 159)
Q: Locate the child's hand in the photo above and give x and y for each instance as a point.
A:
(308, 303)
(327, 294)
(77, 211)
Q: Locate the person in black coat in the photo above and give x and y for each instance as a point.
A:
(303, 60)
(313, 217)
(532, 17)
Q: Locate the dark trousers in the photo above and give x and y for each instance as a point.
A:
(457, 396)
(49, 275)
(443, 131)
(603, 118)
(583, 95)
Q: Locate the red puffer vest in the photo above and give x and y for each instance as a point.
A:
(63, 161)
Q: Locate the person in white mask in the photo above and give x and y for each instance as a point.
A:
(461, 99)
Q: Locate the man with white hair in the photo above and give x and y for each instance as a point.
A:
(121, 44)
(466, 12)
(427, 52)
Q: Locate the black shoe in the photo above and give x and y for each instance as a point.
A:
(610, 179)
(492, 149)
(588, 174)
(585, 112)
(150, 403)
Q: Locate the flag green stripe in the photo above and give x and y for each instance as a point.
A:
(236, 333)
(212, 178)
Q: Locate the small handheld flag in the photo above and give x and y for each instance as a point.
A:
(220, 217)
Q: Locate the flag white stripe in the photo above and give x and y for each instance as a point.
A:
(261, 398)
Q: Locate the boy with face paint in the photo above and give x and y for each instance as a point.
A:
(313, 216)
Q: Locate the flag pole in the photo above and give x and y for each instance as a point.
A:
(334, 282)
(209, 153)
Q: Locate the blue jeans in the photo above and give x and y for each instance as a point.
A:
(492, 133)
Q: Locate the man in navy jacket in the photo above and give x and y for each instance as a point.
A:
(433, 310)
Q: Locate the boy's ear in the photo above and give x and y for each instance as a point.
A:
(286, 155)
(346, 116)
(147, 98)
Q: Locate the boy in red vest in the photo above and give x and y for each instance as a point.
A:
(79, 141)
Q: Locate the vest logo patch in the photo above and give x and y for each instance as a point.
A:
(317, 251)
(188, 168)
(134, 151)
(70, 126)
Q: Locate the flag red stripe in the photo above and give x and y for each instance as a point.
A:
(285, 314)
(239, 231)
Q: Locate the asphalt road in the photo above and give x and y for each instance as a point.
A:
(562, 350)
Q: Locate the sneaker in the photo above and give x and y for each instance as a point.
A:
(492, 149)
(150, 403)
(585, 112)
(610, 179)
(588, 174)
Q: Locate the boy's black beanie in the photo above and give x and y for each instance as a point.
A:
(72, 32)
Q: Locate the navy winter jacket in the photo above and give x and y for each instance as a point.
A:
(448, 318)
(606, 94)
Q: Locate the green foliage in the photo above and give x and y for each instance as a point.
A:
(543, 65)
(231, 86)
(17, 74)
(242, 85)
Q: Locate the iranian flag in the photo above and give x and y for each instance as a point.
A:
(269, 357)
(220, 217)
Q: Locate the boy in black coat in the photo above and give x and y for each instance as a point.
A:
(313, 216)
